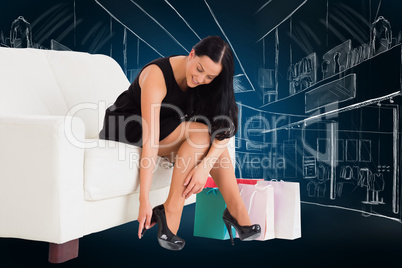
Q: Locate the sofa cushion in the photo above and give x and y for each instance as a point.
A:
(112, 169)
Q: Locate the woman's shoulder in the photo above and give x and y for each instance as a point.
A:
(156, 68)
(162, 63)
(152, 78)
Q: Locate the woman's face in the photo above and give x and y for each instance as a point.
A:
(201, 70)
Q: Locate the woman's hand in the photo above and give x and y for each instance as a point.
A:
(144, 217)
(195, 181)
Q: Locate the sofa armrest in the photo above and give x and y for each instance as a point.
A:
(41, 178)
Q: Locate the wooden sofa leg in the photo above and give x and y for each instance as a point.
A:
(59, 253)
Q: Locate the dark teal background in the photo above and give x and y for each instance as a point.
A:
(330, 238)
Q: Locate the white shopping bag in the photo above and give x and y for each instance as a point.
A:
(287, 208)
(259, 200)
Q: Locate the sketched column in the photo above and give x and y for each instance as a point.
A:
(333, 156)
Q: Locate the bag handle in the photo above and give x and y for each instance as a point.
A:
(252, 196)
(269, 182)
(261, 188)
(251, 200)
(213, 190)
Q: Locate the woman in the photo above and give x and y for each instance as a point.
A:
(183, 108)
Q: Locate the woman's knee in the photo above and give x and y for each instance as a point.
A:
(197, 134)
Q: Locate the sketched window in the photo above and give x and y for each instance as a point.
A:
(323, 149)
(340, 152)
(365, 150)
(351, 150)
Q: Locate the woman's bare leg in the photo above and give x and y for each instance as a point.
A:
(188, 150)
(224, 176)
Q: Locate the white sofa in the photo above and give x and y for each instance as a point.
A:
(58, 181)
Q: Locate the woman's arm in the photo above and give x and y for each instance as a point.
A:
(153, 90)
(197, 178)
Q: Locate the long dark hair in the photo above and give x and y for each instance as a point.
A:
(216, 101)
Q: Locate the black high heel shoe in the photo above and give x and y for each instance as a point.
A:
(246, 232)
(165, 237)
(144, 230)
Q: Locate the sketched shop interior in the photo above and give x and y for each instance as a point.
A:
(330, 116)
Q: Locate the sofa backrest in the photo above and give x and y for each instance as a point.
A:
(47, 82)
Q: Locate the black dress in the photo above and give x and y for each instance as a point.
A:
(122, 120)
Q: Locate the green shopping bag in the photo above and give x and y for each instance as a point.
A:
(209, 209)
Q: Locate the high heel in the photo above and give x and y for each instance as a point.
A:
(166, 238)
(144, 229)
(229, 227)
(246, 232)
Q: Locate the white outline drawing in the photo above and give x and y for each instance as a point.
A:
(231, 46)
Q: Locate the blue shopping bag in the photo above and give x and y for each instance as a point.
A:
(209, 209)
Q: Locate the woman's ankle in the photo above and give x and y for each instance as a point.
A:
(173, 217)
(240, 213)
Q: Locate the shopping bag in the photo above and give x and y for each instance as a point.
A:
(248, 181)
(208, 220)
(209, 209)
(287, 208)
(259, 200)
(211, 184)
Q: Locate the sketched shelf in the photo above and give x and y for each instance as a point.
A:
(346, 90)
